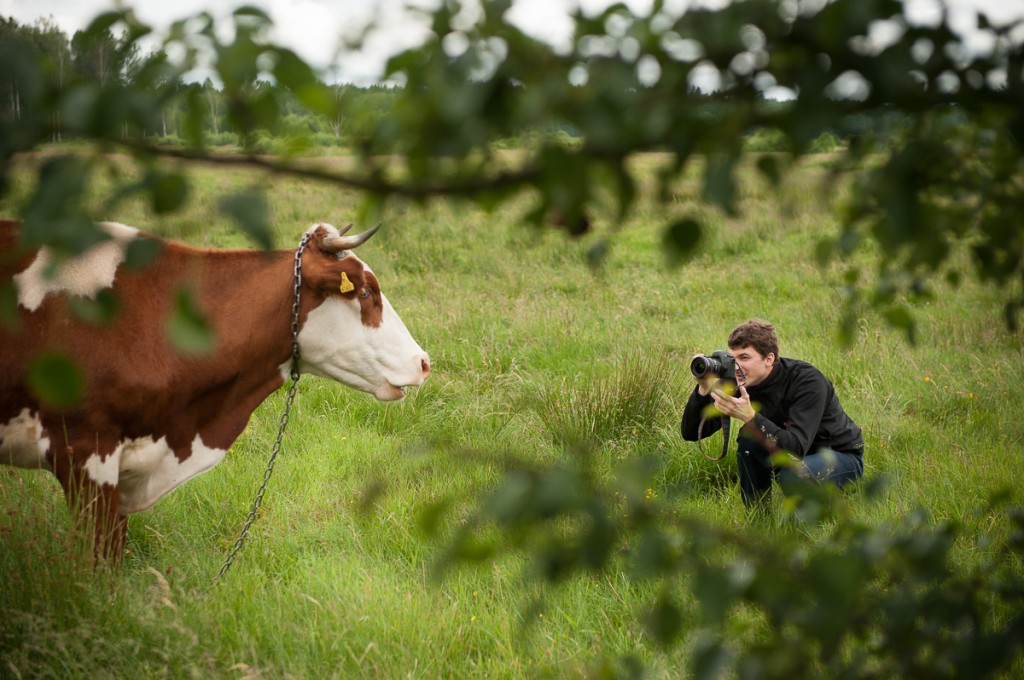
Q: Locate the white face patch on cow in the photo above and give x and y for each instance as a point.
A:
(335, 344)
(23, 442)
(150, 470)
(84, 276)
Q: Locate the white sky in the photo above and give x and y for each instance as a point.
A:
(315, 28)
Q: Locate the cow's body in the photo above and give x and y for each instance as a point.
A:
(151, 417)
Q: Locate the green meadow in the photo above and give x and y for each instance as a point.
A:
(533, 349)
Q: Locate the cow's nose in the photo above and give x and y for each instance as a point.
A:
(425, 366)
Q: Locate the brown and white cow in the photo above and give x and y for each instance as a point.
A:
(152, 418)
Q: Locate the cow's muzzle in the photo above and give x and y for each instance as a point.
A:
(393, 390)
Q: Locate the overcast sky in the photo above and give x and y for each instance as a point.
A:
(314, 28)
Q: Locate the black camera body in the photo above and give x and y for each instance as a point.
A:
(720, 363)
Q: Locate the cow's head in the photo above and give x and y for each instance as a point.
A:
(352, 334)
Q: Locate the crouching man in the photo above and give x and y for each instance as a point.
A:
(784, 405)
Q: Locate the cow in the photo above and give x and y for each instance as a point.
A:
(150, 416)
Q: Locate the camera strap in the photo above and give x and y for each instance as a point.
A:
(726, 426)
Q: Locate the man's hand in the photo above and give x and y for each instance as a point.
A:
(734, 407)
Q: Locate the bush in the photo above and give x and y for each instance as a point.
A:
(222, 139)
(826, 142)
(767, 139)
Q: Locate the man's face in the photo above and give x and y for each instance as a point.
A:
(755, 366)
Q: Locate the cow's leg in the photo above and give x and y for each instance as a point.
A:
(110, 527)
(95, 509)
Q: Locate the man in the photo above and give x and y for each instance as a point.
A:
(784, 405)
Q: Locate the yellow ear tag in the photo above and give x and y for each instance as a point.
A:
(346, 285)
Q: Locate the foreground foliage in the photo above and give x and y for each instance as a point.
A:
(867, 602)
(928, 184)
(942, 123)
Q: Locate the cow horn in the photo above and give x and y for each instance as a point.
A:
(335, 244)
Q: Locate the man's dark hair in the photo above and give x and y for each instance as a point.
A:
(757, 334)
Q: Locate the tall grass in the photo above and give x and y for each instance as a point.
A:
(536, 357)
(622, 406)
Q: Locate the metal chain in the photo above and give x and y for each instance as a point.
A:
(292, 391)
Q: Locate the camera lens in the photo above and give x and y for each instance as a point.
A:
(699, 366)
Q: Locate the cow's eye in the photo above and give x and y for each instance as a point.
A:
(364, 293)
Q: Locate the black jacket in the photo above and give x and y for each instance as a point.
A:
(797, 411)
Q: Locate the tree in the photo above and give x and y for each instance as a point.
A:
(154, 71)
(51, 53)
(104, 58)
(10, 99)
(213, 102)
(55, 53)
(337, 123)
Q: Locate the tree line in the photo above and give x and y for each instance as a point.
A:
(109, 62)
(92, 61)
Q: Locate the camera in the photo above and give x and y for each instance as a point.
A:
(720, 363)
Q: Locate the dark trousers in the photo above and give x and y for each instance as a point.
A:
(757, 472)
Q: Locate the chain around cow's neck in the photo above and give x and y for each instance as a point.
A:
(292, 390)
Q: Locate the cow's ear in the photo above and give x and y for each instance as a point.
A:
(327, 243)
(334, 278)
(318, 233)
(317, 247)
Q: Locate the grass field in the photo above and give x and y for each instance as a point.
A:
(530, 347)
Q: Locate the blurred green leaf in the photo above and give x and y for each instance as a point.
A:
(293, 73)
(430, 518)
(899, 316)
(8, 305)
(720, 181)
(652, 556)
(556, 560)
(187, 329)
(53, 215)
(663, 620)
(168, 192)
(715, 592)
(371, 492)
(104, 21)
(472, 549)
(252, 12)
(768, 166)
(55, 380)
(597, 253)
(99, 311)
(141, 252)
(249, 210)
(710, 660)
(511, 501)
(680, 240)
(558, 492)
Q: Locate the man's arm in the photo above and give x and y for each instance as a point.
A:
(692, 414)
(804, 418)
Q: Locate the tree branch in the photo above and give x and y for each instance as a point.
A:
(448, 187)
